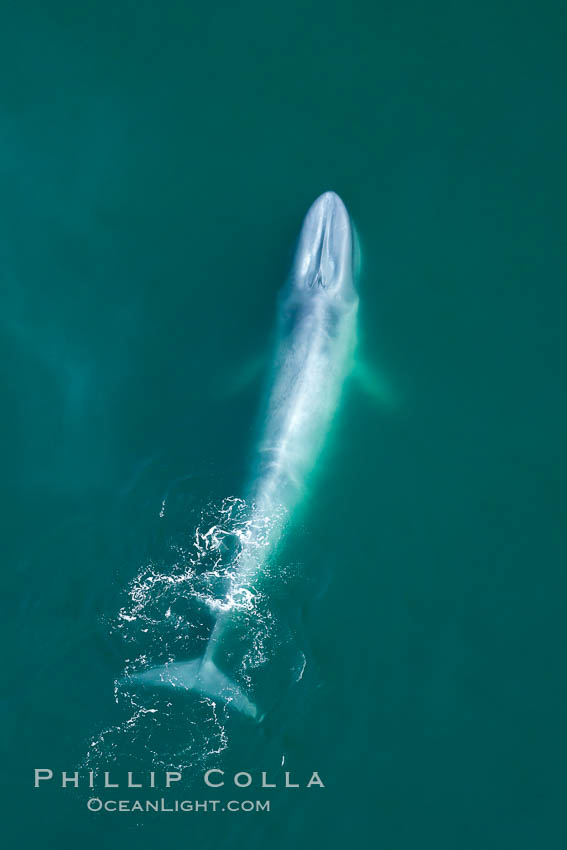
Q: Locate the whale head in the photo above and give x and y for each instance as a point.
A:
(323, 265)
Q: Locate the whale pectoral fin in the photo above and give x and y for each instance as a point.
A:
(242, 377)
(200, 675)
(376, 385)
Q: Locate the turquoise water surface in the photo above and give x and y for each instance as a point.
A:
(156, 161)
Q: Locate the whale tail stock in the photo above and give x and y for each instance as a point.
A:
(202, 676)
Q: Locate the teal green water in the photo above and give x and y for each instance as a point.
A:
(155, 162)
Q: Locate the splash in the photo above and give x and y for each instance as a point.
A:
(167, 613)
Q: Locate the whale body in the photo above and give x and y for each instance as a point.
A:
(314, 353)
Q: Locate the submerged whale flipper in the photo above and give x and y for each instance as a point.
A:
(375, 384)
(200, 675)
(241, 378)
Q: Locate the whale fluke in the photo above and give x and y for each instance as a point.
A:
(200, 675)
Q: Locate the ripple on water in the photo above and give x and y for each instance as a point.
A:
(166, 613)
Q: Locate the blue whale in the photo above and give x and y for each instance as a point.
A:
(314, 354)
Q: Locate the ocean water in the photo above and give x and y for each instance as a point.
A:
(156, 161)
